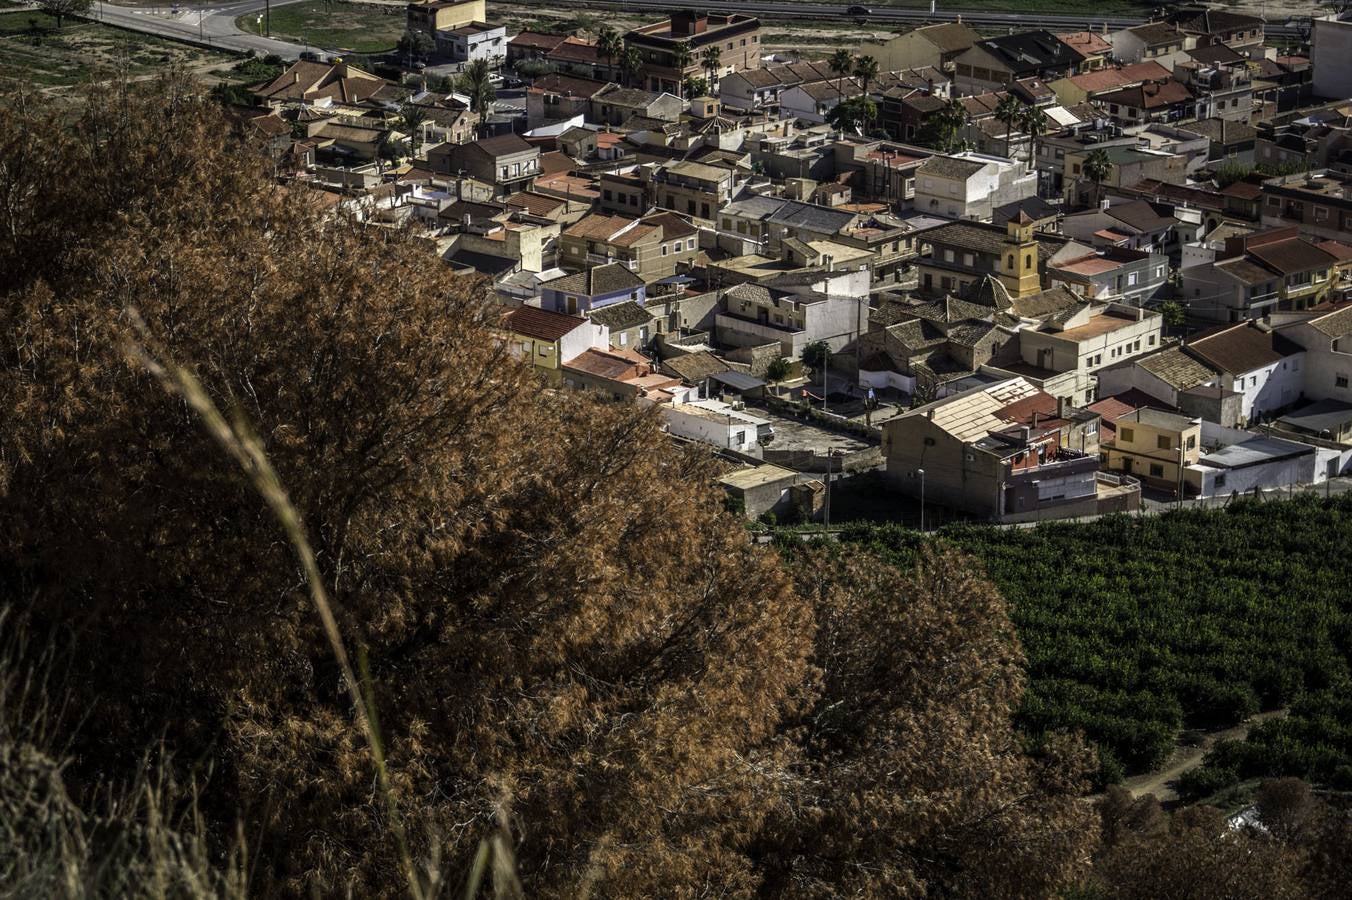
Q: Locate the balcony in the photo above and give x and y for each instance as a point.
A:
(600, 259)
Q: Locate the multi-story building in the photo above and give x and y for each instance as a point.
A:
(1152, 101)
(1331, 54)
(444, 15)
(752, 90)
(1127, 166)
(473, 41)
(592, 289)
(506, 161)
(1263, 366)
(557, 98)
(736, 36)
(1159, 41)
(1327, 341)
(1131, 224)
(1094, 336)
(1093, 48)
(546, 340)
(955, 257)
(993, 64)
(771, 220)
(754, 315)
(1319, 203)
(651, 247)
(971, 185)
(1154, 446)
(689, 187)
(964, 452)
(613, 105)
(1219, 80)
(929, 45)
(1256, 274)
(1113, 273)
(1204, 26)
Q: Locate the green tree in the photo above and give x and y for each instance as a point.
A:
(61, 9)
(842, 63)
(853, 114)
(413, 117)
(943, 129)
(476, 82)
(713, 59)
(1097, 167)
(681, 59)
(1173, 313)
(608, 44)
(1009, 112)
(1034, 124)
(866, 69)
(696, 86)
(816, 354)
(631, 63)
(777, 370)
(415, 45)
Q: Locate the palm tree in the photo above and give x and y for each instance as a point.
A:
(1009, 110)
(608, 45)
(866, 69)
(1034, 124)
(680, 58)
(947, 125)
(842, 63)
(713, 59)
(631, 60)
(413, 117)
(476, 81)
(1097, 166)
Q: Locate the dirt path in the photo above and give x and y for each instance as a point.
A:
(1162, 781)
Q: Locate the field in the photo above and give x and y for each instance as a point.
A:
(33, 49)
(334, 25)
(1138, 628)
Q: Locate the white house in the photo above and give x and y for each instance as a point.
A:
(971, 185)
(717, 423)
(477, 40)
(1265, 367)
(1327, 340)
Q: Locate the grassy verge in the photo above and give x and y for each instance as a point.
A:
(334, 25)
(33, 49)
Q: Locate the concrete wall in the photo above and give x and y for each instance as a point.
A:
(1331, 58)
(954, 477)
(1323, 365)
(726, 433)
(1208, 482)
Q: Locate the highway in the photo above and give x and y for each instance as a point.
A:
(206, 24)
(214, 25)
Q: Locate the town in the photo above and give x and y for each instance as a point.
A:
(756, 450)
(1025, 276)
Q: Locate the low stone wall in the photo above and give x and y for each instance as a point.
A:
(828, 420)
(809, 461)
(757, 359)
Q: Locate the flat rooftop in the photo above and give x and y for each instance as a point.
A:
(757, 476)
(1103, 323)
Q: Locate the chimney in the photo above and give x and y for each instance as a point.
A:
(1035, 417)
(1060, 407)
(930, 415)
(1026, 433)
(1103, 204)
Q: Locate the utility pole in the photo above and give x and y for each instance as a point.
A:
(267, 16)
(921, 473)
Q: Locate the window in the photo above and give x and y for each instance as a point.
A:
(1009, 263)
(545, 351)
(664, 249)
(967, 260)
(1163, 442)
(1321, 214)
(1340, 381)
(1131, 279)
(1192, 441)
(1156, 470)
(1028, 261)
(948, 255)
(1126, 434)
(1152, 341)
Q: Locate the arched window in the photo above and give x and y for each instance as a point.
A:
(1028, 261)
(1010, 262)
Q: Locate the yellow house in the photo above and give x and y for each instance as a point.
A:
(445, 14)
(548, 339)
(1151, 445)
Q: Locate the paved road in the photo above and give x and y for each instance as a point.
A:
(887, 15)
(214, 25)
(204, 23)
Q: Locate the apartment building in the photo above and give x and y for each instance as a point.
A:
(1318, 203)
(737, 37)
(1095, 336)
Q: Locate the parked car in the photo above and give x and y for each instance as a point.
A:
(859, 11)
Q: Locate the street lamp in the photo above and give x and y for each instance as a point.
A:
(921, 473)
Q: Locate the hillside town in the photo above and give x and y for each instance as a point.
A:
(1014, 276)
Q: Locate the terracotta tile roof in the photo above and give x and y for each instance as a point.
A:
(695, 367)
(1241, 348)
(541, 324)
(536, 204)
(1085, 43)
(1291, 256)
(536, 40)
(1337, 249)
(605, 364)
